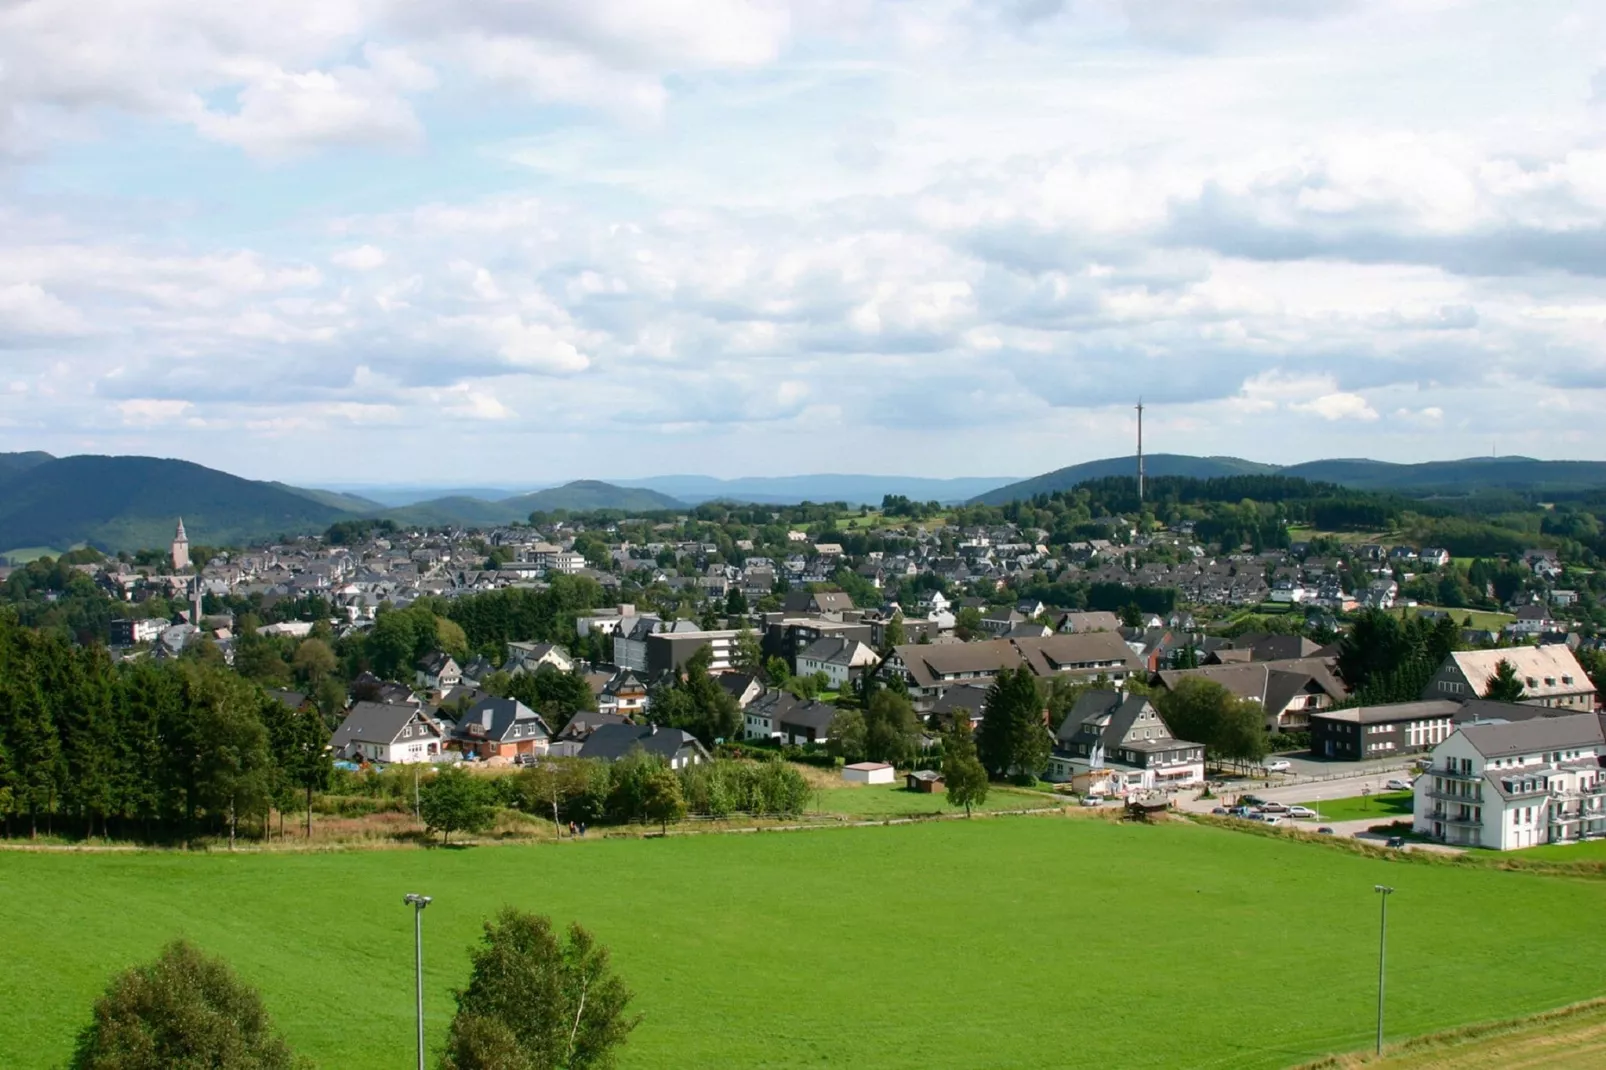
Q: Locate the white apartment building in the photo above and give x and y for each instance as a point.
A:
(1507, 785)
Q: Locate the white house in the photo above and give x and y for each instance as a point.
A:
(1512, 784)
(869, 773)
(1117, 744)
(838, 658)
(387, 733)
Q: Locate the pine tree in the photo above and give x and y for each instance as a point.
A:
(1013, 738)
(1505, 685)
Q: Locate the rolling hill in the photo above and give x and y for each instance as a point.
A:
(1158, 464)
(131, 503)
(584, 495)
(789, 490)
(1427, 479)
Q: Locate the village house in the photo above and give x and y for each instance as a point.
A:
(1116, 744)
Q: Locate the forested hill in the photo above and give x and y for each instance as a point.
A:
(129, 503)
(1473, 475)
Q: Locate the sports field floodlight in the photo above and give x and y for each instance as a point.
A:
(418, 903)
(1382, 949)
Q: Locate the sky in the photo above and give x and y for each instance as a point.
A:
(493, 241)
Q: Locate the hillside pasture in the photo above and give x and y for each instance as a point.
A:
(997, 942)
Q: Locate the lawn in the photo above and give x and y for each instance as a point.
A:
(1589, 851)
(1488, 620)
(1000, 942)
(893, 800)
(1385, 806)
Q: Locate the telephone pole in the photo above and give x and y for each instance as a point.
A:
(1140, 451)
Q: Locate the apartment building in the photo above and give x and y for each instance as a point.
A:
(1550, 676)
(1509, 785)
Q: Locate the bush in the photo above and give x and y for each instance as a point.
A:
(183, 1010)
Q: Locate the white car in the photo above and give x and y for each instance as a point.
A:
(1301, 811)
(1092, 800)
(1279, 765)
(1398, 785)
(1272, 819)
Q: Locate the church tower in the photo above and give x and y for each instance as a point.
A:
(181, 548)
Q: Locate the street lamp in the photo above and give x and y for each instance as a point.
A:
(1382, 947)
(418, 903)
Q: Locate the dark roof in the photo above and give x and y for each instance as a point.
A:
(610, 742)
(495, 719)
(585, 722)
(735, 683)
(1392, 712)
(1540, 734)
(291, 700)
(374, 722)
(812, 714)
(435, 664)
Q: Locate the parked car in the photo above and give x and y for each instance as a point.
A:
(1244, 811)
(1092, 800)
(1279, 765)
(1219, 811)
(1423, 763)
(1251, 800)
(1397, 842)
(1271, 819)
(1273, 808)
(1301, 812)
(1398, 785)
(1325, 830)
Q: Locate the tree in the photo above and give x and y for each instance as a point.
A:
(230, 746)
(735, 603)
(537, 1002)
(748, 656)
(662, 800)
(455, 800)
(894, 635)
(183, 1010)
(967, 623)
(962, 772)
(1202, 711)
(891, 729)
(300, 744)
(1505, 685)
(846, 737)
(314, 661)
(1013, 738)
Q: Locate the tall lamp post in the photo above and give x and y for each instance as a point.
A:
(418, 903)
(1382, 949)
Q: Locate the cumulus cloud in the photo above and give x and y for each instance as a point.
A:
(952, 235)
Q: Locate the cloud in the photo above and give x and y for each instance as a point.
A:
(1340, 406)
(148, 411)
(360, 258)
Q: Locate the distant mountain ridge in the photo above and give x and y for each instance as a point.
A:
(825, 487)
(1426, 478)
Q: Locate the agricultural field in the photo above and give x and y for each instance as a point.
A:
(948, 943)
(1486, 619)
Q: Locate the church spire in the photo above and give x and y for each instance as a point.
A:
(181, 548)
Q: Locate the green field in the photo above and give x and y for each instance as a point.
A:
(1385, 806)
(892, 800)
(1591, 851)
(1488, 620)
(1000, 943)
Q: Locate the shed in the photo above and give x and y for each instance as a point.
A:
(869, 773)
(927, 781)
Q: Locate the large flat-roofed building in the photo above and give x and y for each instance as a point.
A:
(1365, 732)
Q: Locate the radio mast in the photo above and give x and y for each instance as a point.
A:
(1140, 451)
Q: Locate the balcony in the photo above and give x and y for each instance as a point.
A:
(1447, 796)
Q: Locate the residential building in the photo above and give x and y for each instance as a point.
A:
(501, 728)
(135, 632)
(668, 651)
(611, 742)
(841, 660)
(1116, 744)
(929, 670)
(1508, 785)
(387, 733)
(1550, 675)
(438, 672)
(1289, 691)
(528, 657)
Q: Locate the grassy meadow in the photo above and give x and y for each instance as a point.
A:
(894, 800)
(1384, 806)
(1000, 942)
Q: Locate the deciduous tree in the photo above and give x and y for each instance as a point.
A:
(962, 771)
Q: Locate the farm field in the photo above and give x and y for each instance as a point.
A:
(953, 943)
(1384, 806)
(893, 800)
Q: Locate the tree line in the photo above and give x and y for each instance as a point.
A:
(152, 749)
